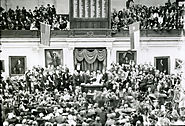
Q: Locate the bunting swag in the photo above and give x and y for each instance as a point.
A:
(90, 56)
(78, 55)
(101, 55)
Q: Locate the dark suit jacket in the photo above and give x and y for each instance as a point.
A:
(65, 79)
(86, 78)
(76, 79)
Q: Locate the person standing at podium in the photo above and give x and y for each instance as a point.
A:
(76, 78)
(87, 77)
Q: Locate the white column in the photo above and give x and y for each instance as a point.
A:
(109, 58)
(6, 5)
(183, 59)
(142, 55)
(70, 59)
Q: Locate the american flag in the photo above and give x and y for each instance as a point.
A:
(134, 31)
(45, 34)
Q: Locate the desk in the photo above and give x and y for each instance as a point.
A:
(92, 87)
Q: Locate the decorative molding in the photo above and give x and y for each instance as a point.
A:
(109, 48)
(108, 34)
(71, 48)
(35, 49)
(71, 33)
(90, 34)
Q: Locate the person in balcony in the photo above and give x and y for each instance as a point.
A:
(63, 23)
(17, 11)
(53, 10)
(24, 11)
(26, 25)
(41, 8)
(44, 12)
(30, 14)
(36, 12)
(3, 25)
(150, 13)
(17, 25)
(68, 25)
(10, 12)
(49, 10)
(10, 25)
(33, 26)
(37, 22)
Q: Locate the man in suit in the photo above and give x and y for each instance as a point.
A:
(105, 77)
(76, 78)
(81, 77)
(87, 77)
(28, 81)
(66, 78)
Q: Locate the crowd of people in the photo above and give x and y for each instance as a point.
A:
(166, 17)
(169, 16)
(23, 19)
(131, 95)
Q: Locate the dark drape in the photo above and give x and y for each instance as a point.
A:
(90, 59)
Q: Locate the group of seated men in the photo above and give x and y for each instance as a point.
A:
(169, 16)
(137, 95)
(22, 19)
(166, 17)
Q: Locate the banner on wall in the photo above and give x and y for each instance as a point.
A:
(178, 63)
(134, 31)
(45, 34)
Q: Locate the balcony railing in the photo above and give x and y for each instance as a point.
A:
(88, 33)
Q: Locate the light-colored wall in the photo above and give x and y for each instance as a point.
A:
(34, 52)
(152, 48)
(62, 6)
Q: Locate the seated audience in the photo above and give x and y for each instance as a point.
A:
(165, 17)
(23, 19)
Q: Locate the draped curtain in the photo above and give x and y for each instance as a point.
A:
(91, 59)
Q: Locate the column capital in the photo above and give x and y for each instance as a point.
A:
(109, 48)
(71, 48)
